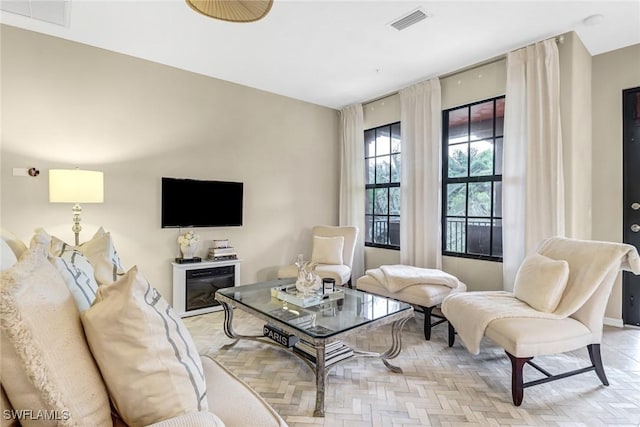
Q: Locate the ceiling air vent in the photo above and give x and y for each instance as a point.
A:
(408, 20)
(52, 11)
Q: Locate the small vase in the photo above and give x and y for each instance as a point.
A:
(188, 251)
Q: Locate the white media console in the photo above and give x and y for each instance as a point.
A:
(195, 284)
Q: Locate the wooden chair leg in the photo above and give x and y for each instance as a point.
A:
(594, 355)
(427, 322)
(452, 334)
(517, 381)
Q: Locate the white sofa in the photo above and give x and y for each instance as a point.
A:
(64, 374)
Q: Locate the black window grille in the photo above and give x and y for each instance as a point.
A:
(472, 180)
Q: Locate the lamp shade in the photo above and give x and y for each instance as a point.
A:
(232, 10)
(76, 186)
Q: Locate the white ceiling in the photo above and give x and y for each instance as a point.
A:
(334, 52)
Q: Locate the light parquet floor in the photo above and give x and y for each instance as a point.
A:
(441, 386)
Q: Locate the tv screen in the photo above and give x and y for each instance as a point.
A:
(197, 203)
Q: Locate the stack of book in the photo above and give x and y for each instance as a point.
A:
(333, 352)
(219, 254)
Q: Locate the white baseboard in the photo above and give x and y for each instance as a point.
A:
(613, 322)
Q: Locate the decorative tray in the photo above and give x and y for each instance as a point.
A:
(290, 294)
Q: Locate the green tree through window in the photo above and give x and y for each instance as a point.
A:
(472, 180)
(382, 186)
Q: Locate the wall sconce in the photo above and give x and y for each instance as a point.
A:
(76, 186)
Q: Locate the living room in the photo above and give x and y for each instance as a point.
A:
(67, 104)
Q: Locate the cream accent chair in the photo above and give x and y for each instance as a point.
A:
(341, 273)
(588, 269)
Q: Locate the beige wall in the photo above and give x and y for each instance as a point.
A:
(65, 105)
(482, 82)
(612, 73)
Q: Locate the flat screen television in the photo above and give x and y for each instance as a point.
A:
(199, 203)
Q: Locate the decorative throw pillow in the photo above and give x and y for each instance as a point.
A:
(103, 257)
(327, 250)
(7, 257)
(46, 363)
(145, 353)
(76, 270)
(540, 282)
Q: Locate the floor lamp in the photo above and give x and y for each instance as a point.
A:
(76, 186)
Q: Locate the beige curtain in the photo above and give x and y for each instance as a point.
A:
(533, 177)
(421, 181)
(352, 179)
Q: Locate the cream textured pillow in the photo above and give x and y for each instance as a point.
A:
(145, 353)
(103, 257)
(327, 250)
(46, 363)
(541, 281)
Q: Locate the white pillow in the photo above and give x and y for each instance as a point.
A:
(7, 257)
(327, 250)
(103, 256)
(46, 363)
(76, 270)
(145, 353)
(540, 282)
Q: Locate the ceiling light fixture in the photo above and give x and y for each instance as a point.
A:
(408, 20)
(232, 10)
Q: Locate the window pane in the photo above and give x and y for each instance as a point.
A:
(370, 164)
(459, 125)
(498, 156)
(383, 170)
(479, 237)
(368, 237)
(368, 208)
(383, 141)
(456, 199)
(481, 153)
(394, 230)
(394, 201)
(480, 199)
(497, 238)
(482, 120)
(395, 138)
(369, 139)
(381, 206)
(395, 168)
(455, 235)
(497, 199)
(458, 160)
(500, 117)
(380, 230)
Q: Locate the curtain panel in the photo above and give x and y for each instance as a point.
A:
(352, 183)
(533, 177)
(421, 176)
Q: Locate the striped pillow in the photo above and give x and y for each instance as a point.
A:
(77, 272)
(103, 256)
(145, 353)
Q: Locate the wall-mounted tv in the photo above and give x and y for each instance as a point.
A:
(199, 203)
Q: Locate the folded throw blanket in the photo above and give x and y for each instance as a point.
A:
(397, 277)
(590, 266)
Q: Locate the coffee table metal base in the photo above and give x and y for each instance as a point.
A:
(319, 369)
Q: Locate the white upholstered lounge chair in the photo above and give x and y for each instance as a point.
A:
(333, 250)
(560, 295)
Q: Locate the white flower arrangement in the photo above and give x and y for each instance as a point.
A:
(189, 238)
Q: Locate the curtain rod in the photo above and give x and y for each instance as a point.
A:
(558, 39)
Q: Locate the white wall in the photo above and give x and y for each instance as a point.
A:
(66, 104)
(612, 73)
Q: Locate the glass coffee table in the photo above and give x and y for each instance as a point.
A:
(314, 333)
